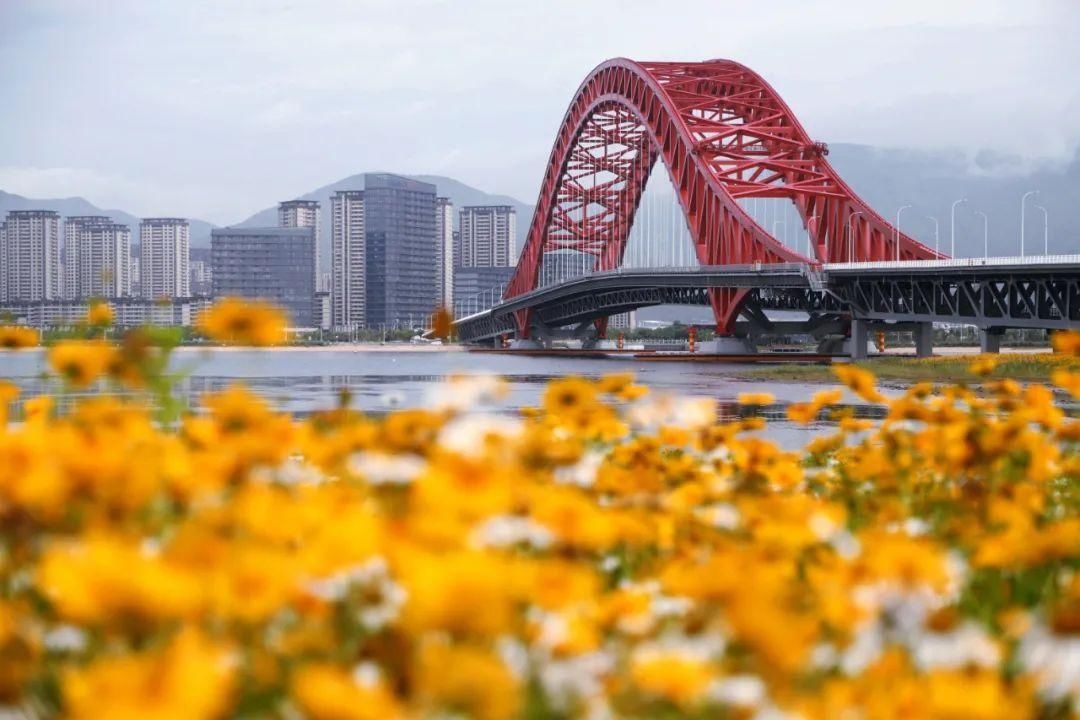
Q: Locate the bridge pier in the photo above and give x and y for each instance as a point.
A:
(727, 345)
(990, 340)
(860, 336)
(924, 339)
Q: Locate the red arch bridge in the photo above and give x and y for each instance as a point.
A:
(733, 152)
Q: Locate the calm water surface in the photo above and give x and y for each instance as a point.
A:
(302, 381)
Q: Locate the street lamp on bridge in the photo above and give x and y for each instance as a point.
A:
(952, 226)
(851, 235)
(937, 235)
(1046, 230)
(898, 212)
(1023, 200)
(986, 234)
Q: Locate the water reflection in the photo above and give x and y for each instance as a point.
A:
(301, 382)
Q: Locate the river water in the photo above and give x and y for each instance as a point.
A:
(379, 378)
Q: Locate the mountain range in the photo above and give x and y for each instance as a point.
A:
(200, 229)
(886, 178)
(459, 193)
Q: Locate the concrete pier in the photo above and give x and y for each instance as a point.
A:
(924, 339)
(990, 340)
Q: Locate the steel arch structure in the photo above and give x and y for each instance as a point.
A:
(723, 134)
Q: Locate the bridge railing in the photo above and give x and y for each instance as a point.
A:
(1073, 259)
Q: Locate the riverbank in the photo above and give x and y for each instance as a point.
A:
(945, 369)
(336, 347)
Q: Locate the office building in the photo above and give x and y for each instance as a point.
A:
(127, 312)
(272, 264)
(444, 251)
(202, 275)
(321, 310)
(97, 257)
(561, 265)
(201, 279)
(401, 251)
(305, 213)
(488, 236)
(30, 268)
(348, 260)
(478, 288)
(623, 321)
(164, 257)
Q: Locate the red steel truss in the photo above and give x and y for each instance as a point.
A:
(724, 134)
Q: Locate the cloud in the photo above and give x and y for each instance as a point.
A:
(226, 107)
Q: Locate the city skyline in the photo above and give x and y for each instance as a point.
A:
(967, 56)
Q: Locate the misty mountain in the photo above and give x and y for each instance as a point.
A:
(200, 229)
(886, 178)
(458, 192)
(994, 184)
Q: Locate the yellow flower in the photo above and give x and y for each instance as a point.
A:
(107, 579)
(81, 362)
(99, 314)
(759, 398)
(237, 321)
(974, 695)
(1066, 342)
(188, 680)
(615, 383)
(8, 392)
(444, 592)
(678, 677)
(15, 337)
(983, 365)
(861, 382)
(465, 680)
(326, 692)
(569, 396)
(1067, 381)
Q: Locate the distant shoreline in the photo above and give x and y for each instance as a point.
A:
(336, 347)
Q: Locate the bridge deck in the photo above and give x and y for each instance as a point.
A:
(1000, 292)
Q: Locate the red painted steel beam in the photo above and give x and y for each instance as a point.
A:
(723, 133)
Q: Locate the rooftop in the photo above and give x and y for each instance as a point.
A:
(260, 231)
(164, 221)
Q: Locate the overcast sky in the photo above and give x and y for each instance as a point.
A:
(217, 108)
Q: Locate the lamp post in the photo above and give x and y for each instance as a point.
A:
(851, 235)
(779, 222)
(986, 234)
(811, 240)
(1023, 201)
(937, 238)
(898, 213)
(1046, 230)
(952, 226)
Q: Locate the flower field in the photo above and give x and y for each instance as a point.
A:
(611, 553)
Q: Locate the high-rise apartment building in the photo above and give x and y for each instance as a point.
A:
(305, 213)
(97, 257)
(401, 250)
(30, 256)
(164, 257)
(135, 277)
(348, 260)
(272, 264)
(444, 251)
(488, 236)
